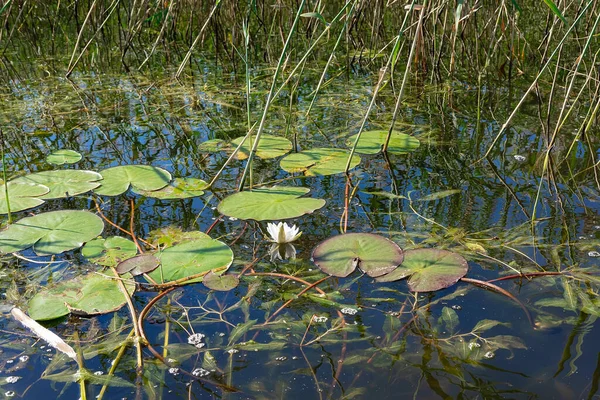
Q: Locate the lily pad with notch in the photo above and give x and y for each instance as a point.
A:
(110, 251)
(52, 232)
(138, 265)
(371, 142)
(192, 258)
(373, 254)
(63, 182)
(63, 156)
(269, 147)
(21, 196)
(179, 188)
(222, 283)
(319, 162)
(86, 295)
(429, 269)
(141, 177)
(274, 203)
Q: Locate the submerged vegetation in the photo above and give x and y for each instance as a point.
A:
(314, 198)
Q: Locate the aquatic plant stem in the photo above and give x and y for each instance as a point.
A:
(374, 97)
(533, 84)
(5, 181)
(115, 363)
(405, 77)
(189, 53)
(270, 97)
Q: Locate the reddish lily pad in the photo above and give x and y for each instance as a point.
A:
(374, 254)
(429, 269)
(138, 265)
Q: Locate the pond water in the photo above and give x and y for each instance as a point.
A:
(511, 213)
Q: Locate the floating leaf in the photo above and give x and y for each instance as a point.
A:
(179, 188)
(110, 251)
(192, 258)
(22, 195)
(52, 232)
(275, 203)
(371, 142)
(142, 177)
(138, 265)
(60, 157)
(221, 283)
(64, 182)
(269, 147)
(319, 161)
(86, 295)
(374, 254)
(211, 146)
(170, 236)
(429, 269)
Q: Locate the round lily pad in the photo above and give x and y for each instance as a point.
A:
(192, 258)
(319, 161)
(21, 195)
(52, 232)
(110, 251)
(429, 269)
(275, 203)
(65, 156)
(142, 177)
(179, 188)
(138, 265)
(371, 142)
(212, 145)
(269, 147)
(222, 283)
(374, 254)
(86, 295)
(64, 182)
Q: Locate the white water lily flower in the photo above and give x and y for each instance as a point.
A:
(283, 233)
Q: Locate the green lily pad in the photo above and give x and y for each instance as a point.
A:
(192, 258)
(180, 188)
(60, 157)
(374, 254)
(170, 235)
(222, 283)
(371, 142)
(269, 147)
(22, 195)
(63, 182)
(212, 145)
(319, 161)
(86, 295)
(110, 251)
(52, 232)
(138, 265)
(275, 203)
(142, 177)
(429, 269)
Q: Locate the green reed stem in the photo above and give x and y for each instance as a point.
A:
(376, 92)
(6, 196)
(270, 97)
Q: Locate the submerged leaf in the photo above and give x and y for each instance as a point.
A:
(374, 254)
(142, 177)
(275, 203)
(52, 232)
(319, 161)
(429, 269)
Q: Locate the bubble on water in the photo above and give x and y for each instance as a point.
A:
(489, 354)
(593, 253)
(474, 345)
(174, 371)
(456, 307)
(196, 339)
(519, 158)
(282, 358)
(12, 379)
(10, 393)
(98, 373)
(349, 311)
(24, 358)
(319, 319)
(200, 372)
